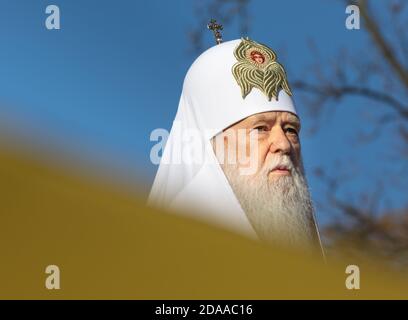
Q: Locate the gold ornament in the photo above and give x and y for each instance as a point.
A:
(215, 28)
(257, 68)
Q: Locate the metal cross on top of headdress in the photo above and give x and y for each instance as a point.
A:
(215, 27)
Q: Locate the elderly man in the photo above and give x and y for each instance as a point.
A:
(233, 155)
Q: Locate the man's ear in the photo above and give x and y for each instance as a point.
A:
(218, 147)
(214, 146)
(212, 141)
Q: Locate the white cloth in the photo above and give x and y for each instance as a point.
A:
(210, 102)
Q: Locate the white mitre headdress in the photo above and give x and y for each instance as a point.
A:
(225, 84)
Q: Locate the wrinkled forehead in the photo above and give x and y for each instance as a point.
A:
(268, 116)
(274, 115)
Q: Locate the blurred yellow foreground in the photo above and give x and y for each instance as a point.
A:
(109, 246)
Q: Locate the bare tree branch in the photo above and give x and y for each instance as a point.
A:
(382, 44)
(338, 92)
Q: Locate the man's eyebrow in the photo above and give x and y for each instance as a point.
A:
(291, 119)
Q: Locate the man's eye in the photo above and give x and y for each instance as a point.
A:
(291, 130)
(261, 128)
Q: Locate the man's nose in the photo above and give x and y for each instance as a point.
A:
(278, 141)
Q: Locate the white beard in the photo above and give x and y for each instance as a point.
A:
(281, 210)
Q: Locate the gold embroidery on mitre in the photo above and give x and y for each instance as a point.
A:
(257, 68)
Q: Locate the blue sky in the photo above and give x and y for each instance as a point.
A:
(97, 88)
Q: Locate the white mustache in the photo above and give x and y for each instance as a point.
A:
(281, 162)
